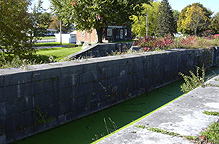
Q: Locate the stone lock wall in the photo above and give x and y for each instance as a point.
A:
(39, 97)
(101, 50)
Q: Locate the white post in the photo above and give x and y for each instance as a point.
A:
(60, 32)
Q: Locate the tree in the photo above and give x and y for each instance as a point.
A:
(139, 21)
(55, 24)
(96, 14)
(40, 20)
(215, 23)
(194, 19)
(165, 19)
(15, 28)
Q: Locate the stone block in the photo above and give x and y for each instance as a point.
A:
(12, 123)
(65, 94)
(2, 109)
(18, 78)
(30, 117)
(26, 89)
(55, 110)
(11, 92)
(2, 82)
(89, 77)
(3, 139)
(69, 70)
(77, 91)
(89, 67)
(46, 74)
(80, 102)
(2, 94)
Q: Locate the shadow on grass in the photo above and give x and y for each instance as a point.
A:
(42, 59)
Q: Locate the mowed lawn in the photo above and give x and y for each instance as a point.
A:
(57, 53)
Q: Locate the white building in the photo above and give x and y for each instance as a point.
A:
(67, 38)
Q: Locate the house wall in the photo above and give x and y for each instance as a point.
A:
(39, 97)
(83, 36)
(66, 38)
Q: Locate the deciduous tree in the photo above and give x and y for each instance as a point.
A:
(193, 19)
(215, 23)
(139, 21)
(40, 20)
(15, 28)
(96, 14)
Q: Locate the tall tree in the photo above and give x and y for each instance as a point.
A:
(96, 14)
(139, 21)
(193, 19)
(15, 27)
(215, 23)
(55, 24)
(165, 20)
(40, 20)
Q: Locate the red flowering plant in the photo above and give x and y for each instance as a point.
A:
(146, 43)
(150, 43)
(163, 43)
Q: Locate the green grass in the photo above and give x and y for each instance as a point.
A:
(157, 130)
(48, 44)
(57, 53)
(212, 133)
(211, 113)
(49, 37)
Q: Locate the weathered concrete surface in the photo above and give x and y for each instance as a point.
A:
(184, 116)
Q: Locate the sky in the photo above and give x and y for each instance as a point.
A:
(175, 4)
(213, 5)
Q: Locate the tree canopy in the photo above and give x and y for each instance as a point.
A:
(15, 27)
(215, 23)
(40, 20)
(194, 18)
(96, 14)
(139, 21)
(55, 24)
(165, 20)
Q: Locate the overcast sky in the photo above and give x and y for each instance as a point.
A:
(175, 4)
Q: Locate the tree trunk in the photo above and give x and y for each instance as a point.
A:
(100, 34)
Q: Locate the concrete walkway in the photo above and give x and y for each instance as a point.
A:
(184, 116)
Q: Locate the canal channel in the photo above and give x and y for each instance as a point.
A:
(92, 127)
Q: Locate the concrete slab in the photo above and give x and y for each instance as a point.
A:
(184, 116)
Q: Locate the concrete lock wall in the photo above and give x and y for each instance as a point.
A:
(39, 97)
(101, 50)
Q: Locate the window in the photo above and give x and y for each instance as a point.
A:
(83, 33)
(109, 32)
(121, 34)
(126, 32)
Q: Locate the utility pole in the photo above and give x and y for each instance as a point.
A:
(60, 32)
(146, 24)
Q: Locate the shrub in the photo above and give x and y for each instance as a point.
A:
(193, 81)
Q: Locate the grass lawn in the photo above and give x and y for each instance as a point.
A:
(57, 53)
(48, 37)
(48, 44)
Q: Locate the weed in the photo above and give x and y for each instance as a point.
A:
(212, 133)
(42, 118)
(217, 79)
(108, 129)
(193, 81)
(211, 113)
(194, 138)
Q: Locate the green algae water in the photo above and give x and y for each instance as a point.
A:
(90, 128)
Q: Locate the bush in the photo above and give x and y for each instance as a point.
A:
(72, 45)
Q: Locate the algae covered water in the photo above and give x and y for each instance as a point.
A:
(90, 128)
